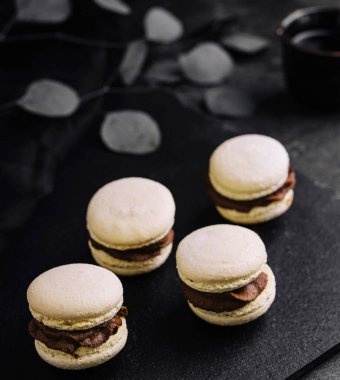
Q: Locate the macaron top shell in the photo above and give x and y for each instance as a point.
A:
(130, 212)
(222, 253)
(74, 292)
(248, 167)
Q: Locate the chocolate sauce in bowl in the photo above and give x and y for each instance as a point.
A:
(327, 40)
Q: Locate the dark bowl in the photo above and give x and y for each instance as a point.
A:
(311, 56)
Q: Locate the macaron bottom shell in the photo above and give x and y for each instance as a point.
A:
(259, 214)
(87, 357)
(247, 313)
(130, 268)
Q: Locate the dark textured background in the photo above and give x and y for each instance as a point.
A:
(53, 166)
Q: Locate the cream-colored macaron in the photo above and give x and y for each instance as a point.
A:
(250, 179)
(130, 224)
(72, 300)
(219, 267)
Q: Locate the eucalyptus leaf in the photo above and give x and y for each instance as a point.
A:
(48, 97)
(229, 101)
(207, 63)
(43, 11)
(116, 6)
(211, 26)
(133, 61)
(162, 26)
(190, 100)
(245, 43)
(130, 131)
(166, 71)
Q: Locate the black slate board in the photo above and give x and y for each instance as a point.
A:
(165, 339)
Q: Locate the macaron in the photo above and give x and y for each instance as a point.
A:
(224, 274)
(250, 179)
(78, 318)
(130, 223)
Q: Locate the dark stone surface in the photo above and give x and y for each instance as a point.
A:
(166, 340)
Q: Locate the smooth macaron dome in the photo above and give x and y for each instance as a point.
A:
(78, 317)
(224, 274)
(130, 224)
(250, 178)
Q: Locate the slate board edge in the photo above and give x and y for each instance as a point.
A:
(315, 363)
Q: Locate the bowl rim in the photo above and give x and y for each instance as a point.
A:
(295, 15)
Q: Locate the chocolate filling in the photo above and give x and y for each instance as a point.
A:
(246, 206)
(70, 341)
(137, 254)
(227, 301)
